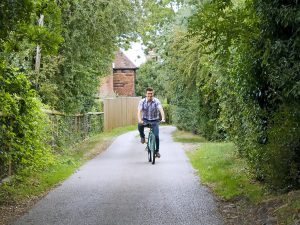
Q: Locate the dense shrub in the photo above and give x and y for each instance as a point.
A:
(24, 130)
(256, 70)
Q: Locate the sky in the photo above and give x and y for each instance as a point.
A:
(135, 53)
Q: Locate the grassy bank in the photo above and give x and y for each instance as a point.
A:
(185, 137)
(224, 172)
(30, 184)
(220, 168)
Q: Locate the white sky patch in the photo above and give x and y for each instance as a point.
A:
(136, 53)
(174, 6)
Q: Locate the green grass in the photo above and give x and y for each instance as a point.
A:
(220, 168)
(186, 137)
(30, 184)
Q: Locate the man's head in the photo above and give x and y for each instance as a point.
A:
(149, 94)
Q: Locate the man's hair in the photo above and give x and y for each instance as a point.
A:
(149, 89)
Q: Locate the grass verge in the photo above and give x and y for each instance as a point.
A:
(220, 168)
(224, 172)
(31, 184)
(187, 137)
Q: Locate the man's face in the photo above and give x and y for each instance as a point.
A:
(149, 95)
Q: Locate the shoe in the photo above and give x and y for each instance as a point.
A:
(157, 154)
(142, 140)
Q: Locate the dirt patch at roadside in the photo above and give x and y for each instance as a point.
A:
(242, 213)
(12, 211)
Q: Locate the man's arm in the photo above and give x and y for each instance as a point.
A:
(139, 112)
(162, 113)
(139, 116)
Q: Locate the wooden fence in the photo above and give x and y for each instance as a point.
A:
(119, 112)
(68, 130)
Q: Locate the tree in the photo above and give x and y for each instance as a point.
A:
(91, 30)
(23, 127)
(149, 75)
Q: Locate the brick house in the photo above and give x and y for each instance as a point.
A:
(122, 80)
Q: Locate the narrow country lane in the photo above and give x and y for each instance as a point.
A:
(119, 187)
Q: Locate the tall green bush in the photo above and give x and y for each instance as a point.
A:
(195, 99)
(279, 44)
(256, 68)
(24, 131)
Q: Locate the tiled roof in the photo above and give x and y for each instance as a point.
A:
(122, 62)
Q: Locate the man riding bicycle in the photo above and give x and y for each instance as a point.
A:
(148, 112)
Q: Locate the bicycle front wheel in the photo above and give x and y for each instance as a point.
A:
(151, 147)
(149, 154)
(153, 156)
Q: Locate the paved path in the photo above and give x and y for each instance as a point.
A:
(119, 187)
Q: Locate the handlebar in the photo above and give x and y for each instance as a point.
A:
(150, 124)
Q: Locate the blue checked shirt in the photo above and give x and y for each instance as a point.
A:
(150, 110)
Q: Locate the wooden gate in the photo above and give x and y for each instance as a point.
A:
(120, 111)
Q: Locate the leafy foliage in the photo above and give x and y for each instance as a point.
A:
(248, 66)
(91, 30)
(233, 72)
(24, 131)
(229, 68)
(23, 127)
(77, 41)
(149, 75)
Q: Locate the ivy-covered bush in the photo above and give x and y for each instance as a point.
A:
(24, 131)
(282, 164)
(279, 45)
(193, 98)
(255, 61)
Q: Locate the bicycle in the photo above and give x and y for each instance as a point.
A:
(151, 144)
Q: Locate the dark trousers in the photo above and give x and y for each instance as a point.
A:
(155, 128)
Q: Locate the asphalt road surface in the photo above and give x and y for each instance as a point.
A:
(120, 187)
